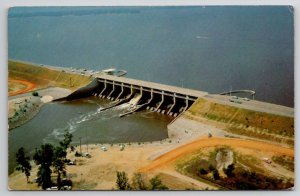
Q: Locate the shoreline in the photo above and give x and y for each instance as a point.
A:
(25, 107)
(25, 112)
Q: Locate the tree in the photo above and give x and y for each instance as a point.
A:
(138, 182)
(44, 157)
(23, 163)
(65, 143)
(229, 170)
(59, 163)
(60, 156)
(156, 184)
(122, 181)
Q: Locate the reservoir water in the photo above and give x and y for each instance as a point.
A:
(208, 48)
(84, 120)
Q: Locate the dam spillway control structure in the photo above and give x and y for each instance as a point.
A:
(165, 99)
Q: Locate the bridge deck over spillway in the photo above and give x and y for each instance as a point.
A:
(152, 85)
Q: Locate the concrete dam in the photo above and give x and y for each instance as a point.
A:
(165, 99)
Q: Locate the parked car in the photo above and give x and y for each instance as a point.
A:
(103, 148)
(87, 155)
(72, 162)
(246, 99)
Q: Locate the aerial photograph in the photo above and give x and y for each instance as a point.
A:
(151, 98)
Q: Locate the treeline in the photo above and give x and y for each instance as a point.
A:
(60, 11)
(138, 182)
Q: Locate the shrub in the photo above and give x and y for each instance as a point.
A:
(138, 182)
(72, 148)
(77, 154)
(202, 171)
(34, 93)
(211, 167)
(229, 170)
(156, 184)
(216, 175)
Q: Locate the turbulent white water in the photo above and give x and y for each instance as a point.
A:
(136, 99)
(74, 123)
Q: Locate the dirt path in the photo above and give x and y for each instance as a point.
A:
(28, 86)
(171, 156)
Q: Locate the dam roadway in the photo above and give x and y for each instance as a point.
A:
(184, 96)
(152, 85)
(254, 105)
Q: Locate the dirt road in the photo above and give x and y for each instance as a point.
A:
(171, 156)
(28, 87)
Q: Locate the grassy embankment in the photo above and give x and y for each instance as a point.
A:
(245, 122)
(44, 77)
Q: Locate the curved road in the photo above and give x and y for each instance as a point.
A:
(185, 149)
(28, 87)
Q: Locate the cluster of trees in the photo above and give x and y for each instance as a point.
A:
(138, 182)
(49, 158)
(215, 173)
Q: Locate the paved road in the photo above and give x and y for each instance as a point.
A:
(253, 105)
(163, 87)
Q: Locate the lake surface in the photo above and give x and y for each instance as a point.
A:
(84, 120)
(205, 48)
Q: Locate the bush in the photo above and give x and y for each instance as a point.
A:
(216, 175)
(77, 154)
(138, 182)
(156, 184)
(72, 148)
(211, 167)
(202, 171)
(229, 170)
(34, 93)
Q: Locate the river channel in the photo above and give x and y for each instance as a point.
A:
(84, 120)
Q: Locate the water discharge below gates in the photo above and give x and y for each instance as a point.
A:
(85, 120)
